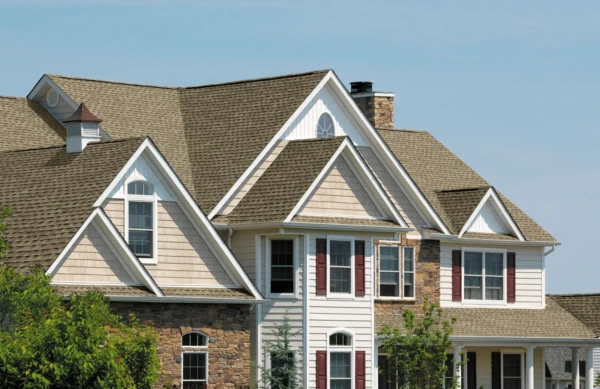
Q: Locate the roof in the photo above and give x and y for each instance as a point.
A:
(224, 293)
(210, 134)
(274, 195)
(448, 184)
(551, 322)
(27, 124)
(350, 221)
(555, 361)
(586, 307)
(52, 192)
(141, 291)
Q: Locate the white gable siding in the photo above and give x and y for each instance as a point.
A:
(305, 125)
(529, 276)
(395, 193)
(487, 221)
(62, 111)
(143, 170)
(92, 260)
(341, 193)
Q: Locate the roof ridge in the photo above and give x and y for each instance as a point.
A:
(573, 294)
(248, 80)
(401, 129)
(463, 189)
(102, 142)
(13, 97)
(113, 82)
(329, 138)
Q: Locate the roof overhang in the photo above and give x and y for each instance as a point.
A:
(184, 300)
(523, 342)
(457, 239)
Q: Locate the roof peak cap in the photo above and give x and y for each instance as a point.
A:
(82, 114)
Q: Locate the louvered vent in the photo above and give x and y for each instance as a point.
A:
(89, 129)
(73, 129)
(52, 98)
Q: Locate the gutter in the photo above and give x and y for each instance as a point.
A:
(456, 239)
(521, 342)
(185, 300)
(316, 226)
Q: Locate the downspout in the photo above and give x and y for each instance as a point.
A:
(229, 235)
(552, 248)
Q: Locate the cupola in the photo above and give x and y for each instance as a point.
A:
(83, 127)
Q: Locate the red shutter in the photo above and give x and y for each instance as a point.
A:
(456, 275)
(322, 369)
(511, 294)
(322, 266)
(359, 268)
(359, 370)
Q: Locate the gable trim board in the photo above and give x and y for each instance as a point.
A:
(122, 249)
(203, 226)
(46, 80)
(492, 196)
(348, 152)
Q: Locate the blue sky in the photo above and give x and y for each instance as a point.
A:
(512, 87)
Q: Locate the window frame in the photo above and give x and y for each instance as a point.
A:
(194, 350)
(520, 352)
(153, 199)
(484, 301)
(295, 293)
(401, 258)
(318, 124)
(334, 295)
(341, 349)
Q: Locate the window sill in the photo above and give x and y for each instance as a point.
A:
(147, 261)
(484, 302)
(408, 299)
(282, 296)
(340, 297)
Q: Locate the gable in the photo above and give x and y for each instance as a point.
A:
(142, 170)
(341, 193)
(487, 221)
(92, 260)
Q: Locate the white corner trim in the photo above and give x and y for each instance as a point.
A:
(491, 193)
(238, 184)
(110, 245)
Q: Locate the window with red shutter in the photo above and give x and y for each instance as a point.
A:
(321, 266)
(359, 370)
(321, 369)
(511, 293)
(359, 267)
(456, 275)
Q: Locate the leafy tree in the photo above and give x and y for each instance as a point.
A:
(4, 213)
(284, 372)
(417, 352)
(49, 342)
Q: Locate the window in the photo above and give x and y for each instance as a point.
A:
(282, 266)
(511, 371)
(340, 266)
(340, 361)
(569, 367)
(385, 378)
(195, 361)
(394, 278)
(483, 275)
(140, 217)
(325, 126)
(449, 374)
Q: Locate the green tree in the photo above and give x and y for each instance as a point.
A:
(417, 352)
(4, 213)
(284, 372)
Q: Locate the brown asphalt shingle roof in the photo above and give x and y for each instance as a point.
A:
(456, 206)
(344, 220)
(51, 193)
(586, 307)
(26, 124)
(551, 322)
(435, 170)
(126, 291)
(224, 293)
(555, 361)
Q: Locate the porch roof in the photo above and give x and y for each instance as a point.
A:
(551, 322)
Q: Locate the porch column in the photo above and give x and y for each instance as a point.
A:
(589, 366)
(457, 365)
(575, 367)
(529, 365)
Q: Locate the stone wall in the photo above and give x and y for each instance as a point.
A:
(227, 328)
(378, 109)
(427, 278)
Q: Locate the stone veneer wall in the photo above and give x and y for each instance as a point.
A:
(427, 278)
(227, 328)
(378, 109)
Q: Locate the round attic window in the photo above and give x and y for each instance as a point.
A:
(52, 98)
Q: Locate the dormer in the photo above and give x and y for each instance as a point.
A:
(82, 128)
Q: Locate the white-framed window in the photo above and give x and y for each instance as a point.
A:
(325, 126)
(396, 272)
(341, 361)
(282, 264)
(141, 220)
(340, 262)
(512, 370)
(194, 366)
(484, 275)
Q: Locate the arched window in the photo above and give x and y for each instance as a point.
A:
(340, 360)
(140, 188)
(195, 360)
(340, 339)
(140, 212)
(325, 126)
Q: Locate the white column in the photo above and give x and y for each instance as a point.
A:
(589, 366)
(457, 365)
(575, 367)
(529, 357)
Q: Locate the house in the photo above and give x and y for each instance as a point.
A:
(559, 368)
(215, 210)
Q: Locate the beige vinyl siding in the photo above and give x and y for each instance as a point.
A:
(395, 193)
(596, 360)
(260, 169)
(529, 276)
(341, 193)
(92, 260)
(115, 210)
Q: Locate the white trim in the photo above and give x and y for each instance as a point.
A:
(353, 227)
(153, 199)
(507, 218)
(372, 94)
(543, 304)
(499, 242)
(185, 300)
(520, 352)
(195, 350)
(95, 283)
(110, 245)
(185, 196)
(200, 286)
(341, 296)
(342, 349)
(484, 301)
(258, 256)
(268, 294)
(306, 313)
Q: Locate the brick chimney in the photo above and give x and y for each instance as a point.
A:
(378, 107)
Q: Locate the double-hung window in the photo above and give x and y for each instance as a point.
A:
(140, 218)
(396, 274)
(340, 361)
(195, 361)
(340, 266)
(484, 275)
(282, 267)
(512, 371)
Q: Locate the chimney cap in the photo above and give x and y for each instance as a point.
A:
(361, 86)
(82, 114)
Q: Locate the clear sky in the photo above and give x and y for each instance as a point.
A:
(512, 87)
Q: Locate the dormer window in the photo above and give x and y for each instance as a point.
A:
(325, 126)
(141, 219)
